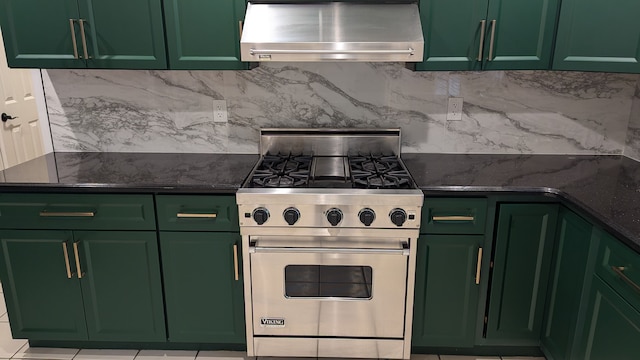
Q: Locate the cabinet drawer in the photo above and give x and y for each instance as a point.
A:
(454, 216)
(619, 266)
(197, 213)
(76, 211)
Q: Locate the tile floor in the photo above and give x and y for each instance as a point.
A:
(19, 349)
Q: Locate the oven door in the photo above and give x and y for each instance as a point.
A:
(329, 291)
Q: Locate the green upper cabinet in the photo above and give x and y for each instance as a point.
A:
(121, 286)
(203, 287)
(123, 34)
(488, 34)
(43, 295)
(105, 34)
(521, 265)
(39, 33)
(204, 34)
(598, 35)
(446, 295)
(573, 242)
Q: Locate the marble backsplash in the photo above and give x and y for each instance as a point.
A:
(633, 134)
(517, 112)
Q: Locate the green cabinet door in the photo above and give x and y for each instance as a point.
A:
(43, 296)
(121, 285)
(446, 295)
(573, 241)
(520, 34)
(203, 295)
(612, 328)
(124, 34)
(204, 34)
(523, 248)
(38, 33)
(452, 30)
(598, 35)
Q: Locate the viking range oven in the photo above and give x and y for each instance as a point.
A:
(329, 222)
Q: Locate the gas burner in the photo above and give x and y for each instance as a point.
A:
(282, 170)
(377, 171)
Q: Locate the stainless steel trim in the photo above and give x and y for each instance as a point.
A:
(336, 348)
(77, 256)
(66, 259)
(329, 142)
(45, 213)
(619, 270)
(408, 51)
(332, 31)
(196, 215)
(493, 35)
(453, 218)
(312, 250)
(236, 274)
(73, 38)
(84, 38)
(478, 265)
(483, 24)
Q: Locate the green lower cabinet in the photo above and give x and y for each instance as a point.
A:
(567, 282)
(612, 327)
(121, 285)
(446, 294)
(521, 265)
(43, 296)
(83, 285)
(203, 294)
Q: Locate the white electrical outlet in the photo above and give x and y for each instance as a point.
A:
(454, 110)
(220, 111)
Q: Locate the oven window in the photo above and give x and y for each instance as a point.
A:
(330, 281)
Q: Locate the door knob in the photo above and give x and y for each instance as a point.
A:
(6, 117)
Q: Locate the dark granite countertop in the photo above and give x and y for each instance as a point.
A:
(131, 172)
(605, 187)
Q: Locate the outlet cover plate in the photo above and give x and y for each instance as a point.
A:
(454, 109)
(220, 111)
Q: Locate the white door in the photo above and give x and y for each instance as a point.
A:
(21, 138)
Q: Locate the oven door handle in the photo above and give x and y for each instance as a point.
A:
(323, 250)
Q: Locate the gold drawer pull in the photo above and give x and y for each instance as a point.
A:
(478, 266)
(45, 213)
(76, 253)
(619, 270)
(66, 259)
(197, 216)
(453, 218)
(235, 263)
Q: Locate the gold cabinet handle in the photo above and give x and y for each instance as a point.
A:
(493, 35)
(453, 218)
(84, 38)
(619, 270)
(45, 213)
(77, 255)
(197, 216)
(73, 38)
(483, 24)
(240, 23)
(65, 252)
(235, 263)
(478, 266)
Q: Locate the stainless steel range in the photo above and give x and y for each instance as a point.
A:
(329, 222)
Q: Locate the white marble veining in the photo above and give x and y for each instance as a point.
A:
(633, 134)
(504, 111)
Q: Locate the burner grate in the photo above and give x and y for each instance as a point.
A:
(282, 170)
(375, 171)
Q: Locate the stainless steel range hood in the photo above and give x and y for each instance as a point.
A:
(332, 31)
